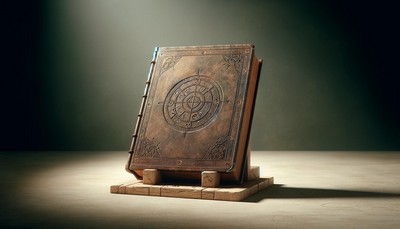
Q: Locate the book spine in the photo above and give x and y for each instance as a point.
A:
(144, 98)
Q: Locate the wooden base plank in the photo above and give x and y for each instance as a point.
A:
(138, 189)
(121, 188)
(208, 193)
(192, 192)
(155, 190)
(224, 192)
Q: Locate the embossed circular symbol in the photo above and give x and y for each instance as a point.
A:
(193, 103)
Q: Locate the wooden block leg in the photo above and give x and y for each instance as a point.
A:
(254, 173)
(151, 176)
(210, 179)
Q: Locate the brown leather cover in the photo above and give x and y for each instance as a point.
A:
(196, 112)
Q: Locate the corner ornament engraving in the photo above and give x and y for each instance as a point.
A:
(234, 60)
(219, 150)
(169, 62)
(151, 149)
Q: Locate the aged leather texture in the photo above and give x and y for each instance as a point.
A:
(197, 112)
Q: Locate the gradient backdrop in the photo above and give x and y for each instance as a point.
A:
(74, 70)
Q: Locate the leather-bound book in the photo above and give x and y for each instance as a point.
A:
(196, 112)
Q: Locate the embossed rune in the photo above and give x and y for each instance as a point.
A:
(192, 103)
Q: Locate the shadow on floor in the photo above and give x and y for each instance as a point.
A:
(279, 191)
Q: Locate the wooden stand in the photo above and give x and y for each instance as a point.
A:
(210, 189)
(224, 192)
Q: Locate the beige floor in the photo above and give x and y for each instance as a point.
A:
(313, 190)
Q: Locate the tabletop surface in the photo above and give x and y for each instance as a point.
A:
(313, 189)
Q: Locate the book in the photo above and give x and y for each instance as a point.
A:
(196, 112)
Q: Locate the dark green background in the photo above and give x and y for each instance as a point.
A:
(75, 69)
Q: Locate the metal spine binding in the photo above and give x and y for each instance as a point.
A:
(144, 97)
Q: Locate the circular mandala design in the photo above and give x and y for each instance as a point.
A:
(192, 103)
